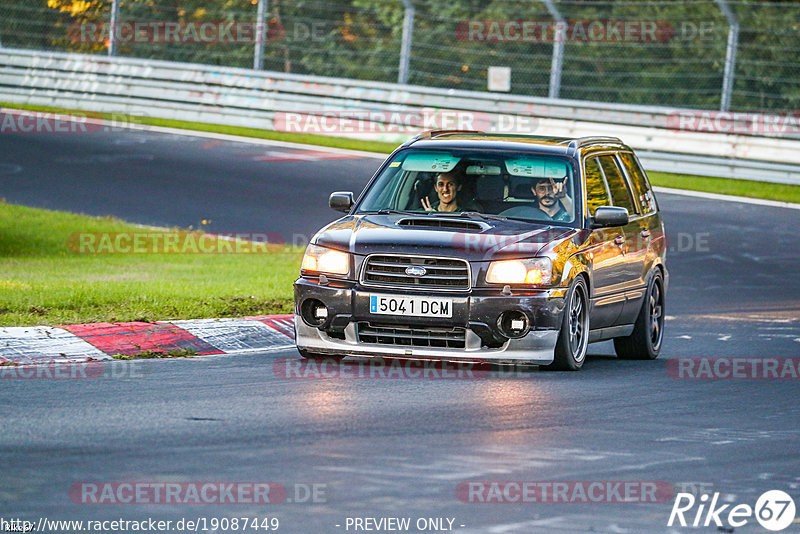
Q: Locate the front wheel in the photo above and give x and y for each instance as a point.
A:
(573, 338)
(644, 343)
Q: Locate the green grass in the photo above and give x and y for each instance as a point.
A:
(726, 186)
(43, 282)
(155, 354)
(745, 188)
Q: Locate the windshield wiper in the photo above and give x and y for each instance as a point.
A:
(496, 217)
(462, 214)
(486, 216)
(469, 215)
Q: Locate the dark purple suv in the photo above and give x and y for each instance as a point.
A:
(486, 247)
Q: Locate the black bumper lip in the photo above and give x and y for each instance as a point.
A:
(536, 347)
(479, 309)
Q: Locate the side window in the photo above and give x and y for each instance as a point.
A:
(616, 184)
(596, 192)
(638, 180)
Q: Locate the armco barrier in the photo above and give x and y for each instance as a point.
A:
(241, 97)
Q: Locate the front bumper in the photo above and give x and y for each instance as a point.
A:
(476, 313)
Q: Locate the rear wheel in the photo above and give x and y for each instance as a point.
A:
(644, 343)
(316, 356)
(573, 338)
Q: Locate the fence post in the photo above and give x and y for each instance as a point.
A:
(730, 55)
(261, 35)
(405, 48)
(558, 50)
(112, 40)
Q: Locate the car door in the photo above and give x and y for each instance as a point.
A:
(649, 227)
(603, 250)
(629, 270)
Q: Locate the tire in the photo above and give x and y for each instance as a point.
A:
(645, 341)
(573, 338)
(316, 356)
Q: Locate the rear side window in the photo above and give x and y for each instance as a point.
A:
(616, 184)
(596, 192)
(639, 183)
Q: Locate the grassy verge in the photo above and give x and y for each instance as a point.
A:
(726, 186)
(154, 354)
(745, 188)
(44, 281)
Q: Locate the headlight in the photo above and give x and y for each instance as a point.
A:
(531, 271)
(319, 259)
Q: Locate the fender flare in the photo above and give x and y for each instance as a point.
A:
(573, 268)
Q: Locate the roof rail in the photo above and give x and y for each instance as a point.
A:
(582, 141)
(431, 133)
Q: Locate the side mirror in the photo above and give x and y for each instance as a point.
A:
(607, 216)
(341, 201)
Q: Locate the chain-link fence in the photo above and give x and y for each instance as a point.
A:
(704, 54)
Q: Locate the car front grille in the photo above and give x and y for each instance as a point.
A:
(409, 336)
(441, 273)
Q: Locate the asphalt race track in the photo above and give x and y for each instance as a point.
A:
(395, 447)
(175, 180)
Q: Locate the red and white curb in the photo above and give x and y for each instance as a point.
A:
(99, 341)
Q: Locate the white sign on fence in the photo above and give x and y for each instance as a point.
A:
(500, 79)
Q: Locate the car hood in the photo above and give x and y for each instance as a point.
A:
(474, 240)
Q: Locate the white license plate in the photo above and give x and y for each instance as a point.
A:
(412, 306)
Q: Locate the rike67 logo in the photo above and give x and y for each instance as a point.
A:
(774, 510)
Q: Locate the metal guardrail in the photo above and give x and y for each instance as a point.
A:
(242, 97)
(742, 169)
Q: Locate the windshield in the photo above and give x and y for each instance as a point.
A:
(516, 185)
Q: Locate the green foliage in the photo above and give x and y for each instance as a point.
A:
(361, 39)
(156, 354)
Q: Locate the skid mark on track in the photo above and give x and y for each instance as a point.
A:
(211, 144)
(301, 155)
(718, 436)
(127, 141)
(10, 168)
(772, 317)
(104, 158)
(631, 523)
(737, 327)
(488, 463)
